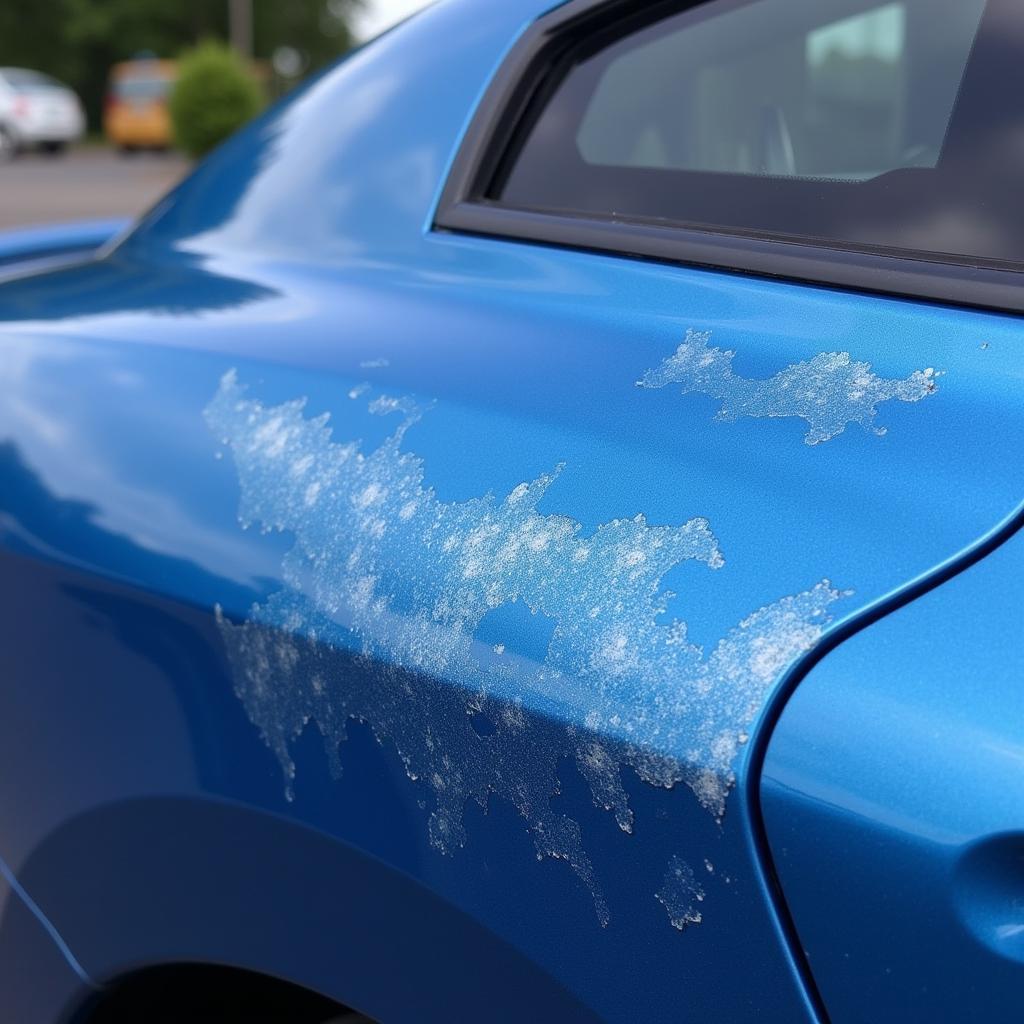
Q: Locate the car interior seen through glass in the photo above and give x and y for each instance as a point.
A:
(891, 127)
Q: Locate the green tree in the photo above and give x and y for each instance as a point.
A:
(215, 94)
(77, 41)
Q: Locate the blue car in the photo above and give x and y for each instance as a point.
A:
(528, 530)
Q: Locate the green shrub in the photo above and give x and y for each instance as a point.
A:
(213, 96)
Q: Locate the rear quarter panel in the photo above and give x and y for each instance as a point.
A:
(311, 730)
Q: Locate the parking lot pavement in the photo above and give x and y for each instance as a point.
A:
(88, 182)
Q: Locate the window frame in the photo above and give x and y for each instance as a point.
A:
(523, 84)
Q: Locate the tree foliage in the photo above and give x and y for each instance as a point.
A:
(77, 41)
(215, 94)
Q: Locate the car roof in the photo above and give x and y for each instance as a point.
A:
(28, 76)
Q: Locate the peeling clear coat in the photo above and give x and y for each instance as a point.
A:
(382, 566)
(830, 391)
(297, 252)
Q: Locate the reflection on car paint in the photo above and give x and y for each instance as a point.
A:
(387, 588)
(829, 391)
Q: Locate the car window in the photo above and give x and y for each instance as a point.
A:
(139, 88)
(875, 125)
(733, 94)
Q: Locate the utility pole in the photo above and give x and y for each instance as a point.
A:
(240, 26)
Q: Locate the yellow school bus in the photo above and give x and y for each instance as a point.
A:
(136, 114)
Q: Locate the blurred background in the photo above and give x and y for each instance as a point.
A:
(104, 104)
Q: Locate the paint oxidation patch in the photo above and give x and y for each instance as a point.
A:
(681, 894)
(829, 392)
(386, 588)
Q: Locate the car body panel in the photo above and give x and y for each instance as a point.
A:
(27, 250)
(519, 785)
(39, 977)
(893, 799)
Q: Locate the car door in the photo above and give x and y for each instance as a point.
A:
(435, 511)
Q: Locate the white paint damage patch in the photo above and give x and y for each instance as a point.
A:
(829, 391)
(681, 894)
(387, 586)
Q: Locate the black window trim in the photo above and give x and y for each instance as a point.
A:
(531, 65)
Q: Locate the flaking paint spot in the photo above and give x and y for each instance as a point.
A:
(829, 391)
(386, 587)
(681, 894)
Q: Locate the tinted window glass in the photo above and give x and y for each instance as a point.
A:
(880, 125)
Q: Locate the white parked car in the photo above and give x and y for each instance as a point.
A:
(37, 111)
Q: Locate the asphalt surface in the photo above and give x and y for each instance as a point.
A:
(87, 182)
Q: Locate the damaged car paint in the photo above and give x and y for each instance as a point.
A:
(382, 568)
(829, 392)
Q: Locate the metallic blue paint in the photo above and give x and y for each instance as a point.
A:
(139, 807)
(45, 244)
(893, 797)
(38, 977)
